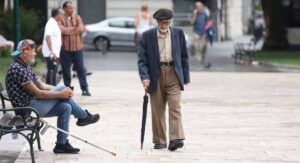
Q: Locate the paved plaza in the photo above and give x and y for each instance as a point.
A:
(228, 117)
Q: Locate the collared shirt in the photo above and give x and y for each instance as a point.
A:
(19, 74)
(199, 25)
(165, 47)
(71, 43)
(52, 29)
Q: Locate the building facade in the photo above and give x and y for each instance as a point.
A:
(230, 16)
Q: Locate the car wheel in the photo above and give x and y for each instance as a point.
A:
(101, 44)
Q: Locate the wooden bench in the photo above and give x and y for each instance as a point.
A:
(23, 121)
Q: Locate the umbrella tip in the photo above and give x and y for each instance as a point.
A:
(141, 146)
(114, 154)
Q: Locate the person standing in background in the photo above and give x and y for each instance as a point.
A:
(142, 22)
(72, 47)
(52, 45)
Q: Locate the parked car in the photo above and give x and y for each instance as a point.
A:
(118, 31)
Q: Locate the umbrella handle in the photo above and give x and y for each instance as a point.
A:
(146, 91)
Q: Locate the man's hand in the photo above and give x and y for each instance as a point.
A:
(195, 12)
(39, 48)
(146, 83)
(194, 16)
(55, 57)
(66, 93)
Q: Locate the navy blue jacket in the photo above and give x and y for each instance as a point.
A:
(149, 57)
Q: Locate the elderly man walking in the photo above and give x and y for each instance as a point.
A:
(164, 69)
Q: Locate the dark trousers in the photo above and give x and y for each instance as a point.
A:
(66, 59)
(51, 71)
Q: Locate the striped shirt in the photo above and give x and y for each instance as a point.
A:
(72, 42)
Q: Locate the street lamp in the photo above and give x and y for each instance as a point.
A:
(17, 32)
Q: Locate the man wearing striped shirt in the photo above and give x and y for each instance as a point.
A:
(72, 28)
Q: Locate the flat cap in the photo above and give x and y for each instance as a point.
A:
(163, 14)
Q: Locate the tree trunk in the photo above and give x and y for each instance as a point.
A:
(276, 35)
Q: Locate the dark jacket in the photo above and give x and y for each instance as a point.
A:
(149, 57)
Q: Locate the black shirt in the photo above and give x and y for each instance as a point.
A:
(18, 74)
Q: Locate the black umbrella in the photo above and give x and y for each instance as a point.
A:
(145, 104)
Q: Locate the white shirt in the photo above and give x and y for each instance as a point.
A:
(52, 29)
(144, 24)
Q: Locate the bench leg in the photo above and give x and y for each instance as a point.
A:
(39, 141)
(40, 126)
(30, 139)
(31, 152)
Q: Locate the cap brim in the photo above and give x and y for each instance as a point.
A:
(15, 53)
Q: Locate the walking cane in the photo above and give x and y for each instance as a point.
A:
(47, 125)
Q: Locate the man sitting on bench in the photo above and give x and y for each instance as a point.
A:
(26, 89)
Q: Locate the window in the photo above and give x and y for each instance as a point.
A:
(117, 24)
(129, 24)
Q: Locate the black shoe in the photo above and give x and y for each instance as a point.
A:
(208, 65)
(175, 144)
(65, 148)
(160, 146)
(86, 93)
(88, 73)
(89, 119)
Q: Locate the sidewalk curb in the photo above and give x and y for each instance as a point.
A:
(279, 67)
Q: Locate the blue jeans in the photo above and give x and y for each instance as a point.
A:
(66, 59)
(61, 108)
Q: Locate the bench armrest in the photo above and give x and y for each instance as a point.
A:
(30, 120)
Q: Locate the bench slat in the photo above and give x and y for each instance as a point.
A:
(5, 119)
(15, 121)
(8, 121)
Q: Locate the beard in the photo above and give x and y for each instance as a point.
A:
(163, 30)
(32, 61)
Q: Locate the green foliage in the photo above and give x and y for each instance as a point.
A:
(286, 58)
(5, 52)
(29, 22)
(6, 61)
